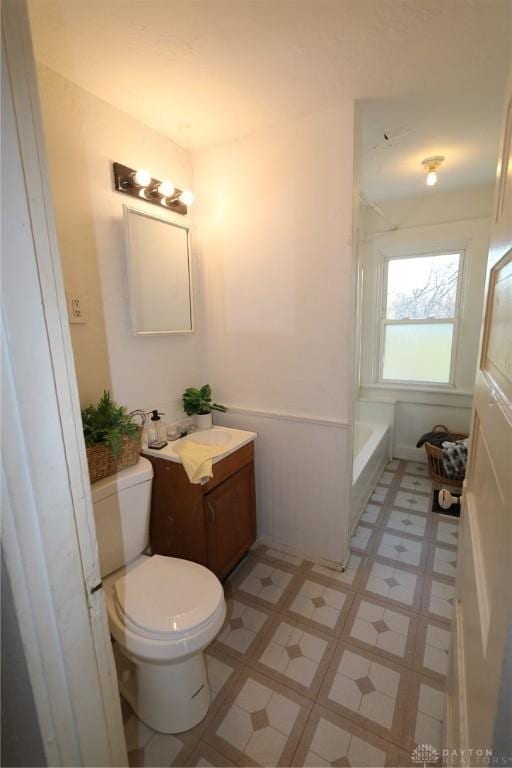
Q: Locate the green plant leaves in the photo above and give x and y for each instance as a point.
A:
(107, 422)
(200, 401)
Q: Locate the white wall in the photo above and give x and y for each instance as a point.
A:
(274, 214)
(438, 220)
(84, 136)
(273, 259)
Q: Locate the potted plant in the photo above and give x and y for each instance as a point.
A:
(198, 403)
(112, 439)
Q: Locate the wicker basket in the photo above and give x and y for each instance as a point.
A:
(435, 458)
(103, 463)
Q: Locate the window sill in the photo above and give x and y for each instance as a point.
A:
(420, 388)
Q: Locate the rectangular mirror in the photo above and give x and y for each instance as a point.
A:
(159, 274)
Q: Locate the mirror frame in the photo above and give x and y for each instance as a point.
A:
(127, 210)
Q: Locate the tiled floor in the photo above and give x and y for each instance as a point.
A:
(315, 667)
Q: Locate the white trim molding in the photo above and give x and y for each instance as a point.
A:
(284, 416)
(50, 539)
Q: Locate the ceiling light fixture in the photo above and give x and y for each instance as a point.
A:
(140, 184)
(431, 165)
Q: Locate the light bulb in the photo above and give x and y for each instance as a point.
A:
(186, 197)
(142, 178)
(166, 188)
(431, 178)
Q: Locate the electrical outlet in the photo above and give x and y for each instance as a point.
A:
(77, 308)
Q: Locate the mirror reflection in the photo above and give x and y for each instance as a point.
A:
(159, 274)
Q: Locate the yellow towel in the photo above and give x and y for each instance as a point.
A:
(197, 459)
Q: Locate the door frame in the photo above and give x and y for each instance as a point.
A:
(65, 639)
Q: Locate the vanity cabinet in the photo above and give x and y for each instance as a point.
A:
(213, 524)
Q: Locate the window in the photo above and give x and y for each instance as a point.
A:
(419, 318)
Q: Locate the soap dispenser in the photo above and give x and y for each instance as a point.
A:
(157, 431)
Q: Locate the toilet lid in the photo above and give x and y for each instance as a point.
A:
(167, 595)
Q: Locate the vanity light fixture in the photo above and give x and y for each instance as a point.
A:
(166, 188)
(141, 178)
(431, 165)
(186, 197)
(140, 184)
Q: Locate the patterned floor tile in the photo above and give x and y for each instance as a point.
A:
(146, 747)
(379, 691)
(379, 494)
(401, 549)
(412, 501)
(373, 514)
(260, 724)
(296, 657)
(407, 522)
(398, 586)
(319, 606)
(263, 583)
(417, 468)
(446, 531)
(329, 739)
(416, 484)
(386, 478)
(381, 629)
(349, 577)
(163, 749)
(438, 599)
(425, 713)
(136, 733)
(242, 628)
(362, 539)
(370, 691)
(204, 755)
(432, 649)
(443, 561)
(222, 673)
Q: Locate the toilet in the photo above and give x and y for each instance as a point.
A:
(162, 611)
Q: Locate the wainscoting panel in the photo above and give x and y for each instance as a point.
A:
(303, 481)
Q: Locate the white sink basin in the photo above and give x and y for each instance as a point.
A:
(213, 436)
(230, 439)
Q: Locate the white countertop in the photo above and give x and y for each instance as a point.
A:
(231, 439)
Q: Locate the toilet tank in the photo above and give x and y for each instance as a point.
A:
(121, 510)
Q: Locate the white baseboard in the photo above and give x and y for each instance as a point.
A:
(337, 566)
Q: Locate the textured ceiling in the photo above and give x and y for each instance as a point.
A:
(206, 71)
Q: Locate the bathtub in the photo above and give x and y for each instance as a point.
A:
(371, 454)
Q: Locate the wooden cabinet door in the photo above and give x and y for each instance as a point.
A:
(177, 526)
(230, 511)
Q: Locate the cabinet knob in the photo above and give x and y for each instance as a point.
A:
(211, 510)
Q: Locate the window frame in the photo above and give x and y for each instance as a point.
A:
(454, 321)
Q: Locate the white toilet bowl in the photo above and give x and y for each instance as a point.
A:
(163, 612)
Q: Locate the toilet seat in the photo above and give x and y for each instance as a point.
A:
(166, 596)
(164, 608)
